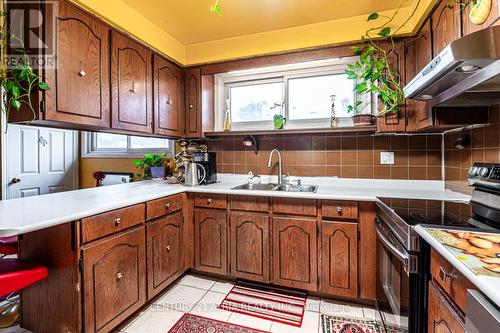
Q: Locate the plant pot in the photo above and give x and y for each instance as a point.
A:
(363, 119)
(157, 172)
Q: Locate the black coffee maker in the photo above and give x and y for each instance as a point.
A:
(208, 161)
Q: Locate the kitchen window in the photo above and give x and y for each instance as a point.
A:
(302, 93)
(115, 145)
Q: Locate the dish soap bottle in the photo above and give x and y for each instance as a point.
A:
(227, 117)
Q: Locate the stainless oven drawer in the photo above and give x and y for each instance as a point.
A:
(482, 316)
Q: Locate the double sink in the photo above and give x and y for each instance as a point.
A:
(278, 187)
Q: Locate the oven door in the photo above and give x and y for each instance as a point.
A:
(398, 292)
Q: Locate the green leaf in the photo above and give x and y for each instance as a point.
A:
(216, 8)
(2, 13)
(355, 49)
(363, 57)
(373, 16)
(361, 87)
(15, 103)
(43, 86)
(384, 32)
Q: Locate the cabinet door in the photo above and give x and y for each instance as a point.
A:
(394, 121)
(418, 52)
(192, 79)
(210, 232)
(114, 277)
(80, 83)
(130, 85)
(250, 246)
(163, 238)
(339, 258)
(443, 317)
(168, 97)
(445, 25)
(295, 253)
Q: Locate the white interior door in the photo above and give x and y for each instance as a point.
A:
(40, 161)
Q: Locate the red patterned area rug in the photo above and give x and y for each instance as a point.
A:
(195, 324)
(333, 324)
(266, 302)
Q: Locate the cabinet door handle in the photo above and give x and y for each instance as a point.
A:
(82, 73)
(133, 90)
(209, 201)
(169, 100)
(119, 276)
(168, 248)
(444, 275)
(190, 106)
(339, 210)
(117, 221)
(167, 205)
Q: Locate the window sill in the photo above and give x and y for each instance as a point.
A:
(369, 129)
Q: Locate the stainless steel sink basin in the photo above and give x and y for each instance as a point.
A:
(276, 187)
(256, 187)
(298, 188)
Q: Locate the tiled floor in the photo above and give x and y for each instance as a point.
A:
(201, 296)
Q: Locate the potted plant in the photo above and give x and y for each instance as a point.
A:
(152, 165)
(358, 114)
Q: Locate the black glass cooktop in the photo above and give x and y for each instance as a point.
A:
(446, 213)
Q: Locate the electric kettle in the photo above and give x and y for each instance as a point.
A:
(195, 174)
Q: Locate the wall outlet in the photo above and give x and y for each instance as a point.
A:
(386, 157)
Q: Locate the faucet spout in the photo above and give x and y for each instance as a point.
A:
(269, 164)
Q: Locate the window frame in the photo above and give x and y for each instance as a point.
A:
(90, 149)
(283, 73)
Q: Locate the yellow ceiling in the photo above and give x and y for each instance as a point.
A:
(188, 33)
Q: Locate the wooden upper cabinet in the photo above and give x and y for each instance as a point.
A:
(193, 112)
(168, 97)
(79, 84)
(418, 51)
(114, 278)
(394, 121)
(468, 27)
(446, 25)
(295, 253)
(163, 252)
(210, 241)
(131, 107)
(339, 258)
(443, 317)
(250, 246)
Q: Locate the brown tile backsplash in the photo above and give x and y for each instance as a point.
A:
(484, 147)
(347, 155)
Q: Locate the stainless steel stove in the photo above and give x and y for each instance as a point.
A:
(403, 257)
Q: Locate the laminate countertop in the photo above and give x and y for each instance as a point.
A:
(18, 216)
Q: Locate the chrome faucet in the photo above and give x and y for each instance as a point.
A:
(280, 173)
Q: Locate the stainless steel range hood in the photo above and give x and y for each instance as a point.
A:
(465, 73)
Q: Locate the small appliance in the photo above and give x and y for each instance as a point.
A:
(208, 160)
(195, 174)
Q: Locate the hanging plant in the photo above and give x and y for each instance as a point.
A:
(18, 79)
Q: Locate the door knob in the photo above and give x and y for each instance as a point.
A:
(82, 73)
(15, 180)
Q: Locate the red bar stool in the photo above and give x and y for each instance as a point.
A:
(8, 246)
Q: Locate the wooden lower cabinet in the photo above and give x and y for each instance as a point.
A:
(295, 253)
(164, 239)
(443, 317)
(210, 234)
(114, 280)
(249, 239)
(339, 258)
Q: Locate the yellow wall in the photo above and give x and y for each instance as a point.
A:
(117, 13)
(90, 165)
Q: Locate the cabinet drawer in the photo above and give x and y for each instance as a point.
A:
(250, 203)
(450, 279)
(209, 200)
(340, 209)
(294, 206)
(163, 206)
(104, 224)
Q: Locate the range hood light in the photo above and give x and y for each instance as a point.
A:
(425, 97)
(468, 69)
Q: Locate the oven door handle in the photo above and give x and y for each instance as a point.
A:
(404, 257)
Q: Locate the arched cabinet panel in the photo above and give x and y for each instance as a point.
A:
(210, 232)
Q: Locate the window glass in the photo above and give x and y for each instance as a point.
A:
(137, 142)
(310, 97)
(255, 102)
(110, 141)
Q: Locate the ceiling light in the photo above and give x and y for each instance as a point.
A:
(468, 68)
(426, 97)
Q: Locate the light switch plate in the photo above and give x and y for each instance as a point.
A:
(386, 157)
